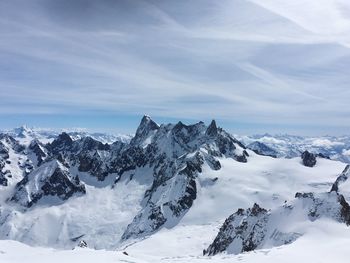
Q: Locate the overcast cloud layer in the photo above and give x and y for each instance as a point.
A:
(262, 62)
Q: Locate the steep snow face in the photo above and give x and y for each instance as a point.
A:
(13, 161)
(247, 230)
(51, 179)
(38, 152)
(145, 132)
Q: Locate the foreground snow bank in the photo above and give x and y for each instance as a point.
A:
(325, 241)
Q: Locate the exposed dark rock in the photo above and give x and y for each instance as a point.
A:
(4, 151)
(328, 204)
(246, 229)
(3, 179)
(39, 150)
(176, 155)
(10, 141)
(94, 164)
(89, 144)
(173, 156)
(82, 244)
(212, 129)
(309, 159)
(147, 126)
(74, 239)
(262, 149)
(321, 155)
(251, 229)
(341, 178)
(62, 143)
(345, 210)
(55, 180)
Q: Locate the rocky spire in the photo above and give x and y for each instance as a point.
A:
(212, 129)
(147, 125)
(63, 141)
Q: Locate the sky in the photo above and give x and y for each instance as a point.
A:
(253, 65)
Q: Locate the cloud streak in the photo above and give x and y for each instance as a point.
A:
(261, 62)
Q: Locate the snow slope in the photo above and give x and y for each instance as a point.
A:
(326, 241)
(265, 180)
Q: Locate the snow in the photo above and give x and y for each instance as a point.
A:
(25, 135)
(264, 180)
(102, 215)
(104, 212)
(326, 241)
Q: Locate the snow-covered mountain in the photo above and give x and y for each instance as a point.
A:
(25, 135)
(172, 190)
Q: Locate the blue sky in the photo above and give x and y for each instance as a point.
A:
(255, 66)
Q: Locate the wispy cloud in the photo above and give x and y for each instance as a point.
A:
(264, 62)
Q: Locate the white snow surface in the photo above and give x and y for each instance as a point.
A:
(326, 241)
(103, 214)
(48, 233)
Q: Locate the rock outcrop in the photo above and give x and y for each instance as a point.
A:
(175, 155)
(52, 181)
(262, 149)
(256, 228)
(308, 159)
(243, 231)
(343, 177)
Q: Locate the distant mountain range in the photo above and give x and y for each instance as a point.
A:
(289, 146)
(25, 135)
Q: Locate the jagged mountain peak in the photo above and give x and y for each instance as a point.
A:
(147, 122)
(256, 227)
(212, 129)
(65, 137)
(145, 130)
(23, 131)
(51, 179)
(190, 127)
(61, 142)
(343, 177)
(7, 141)
(88, 143)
